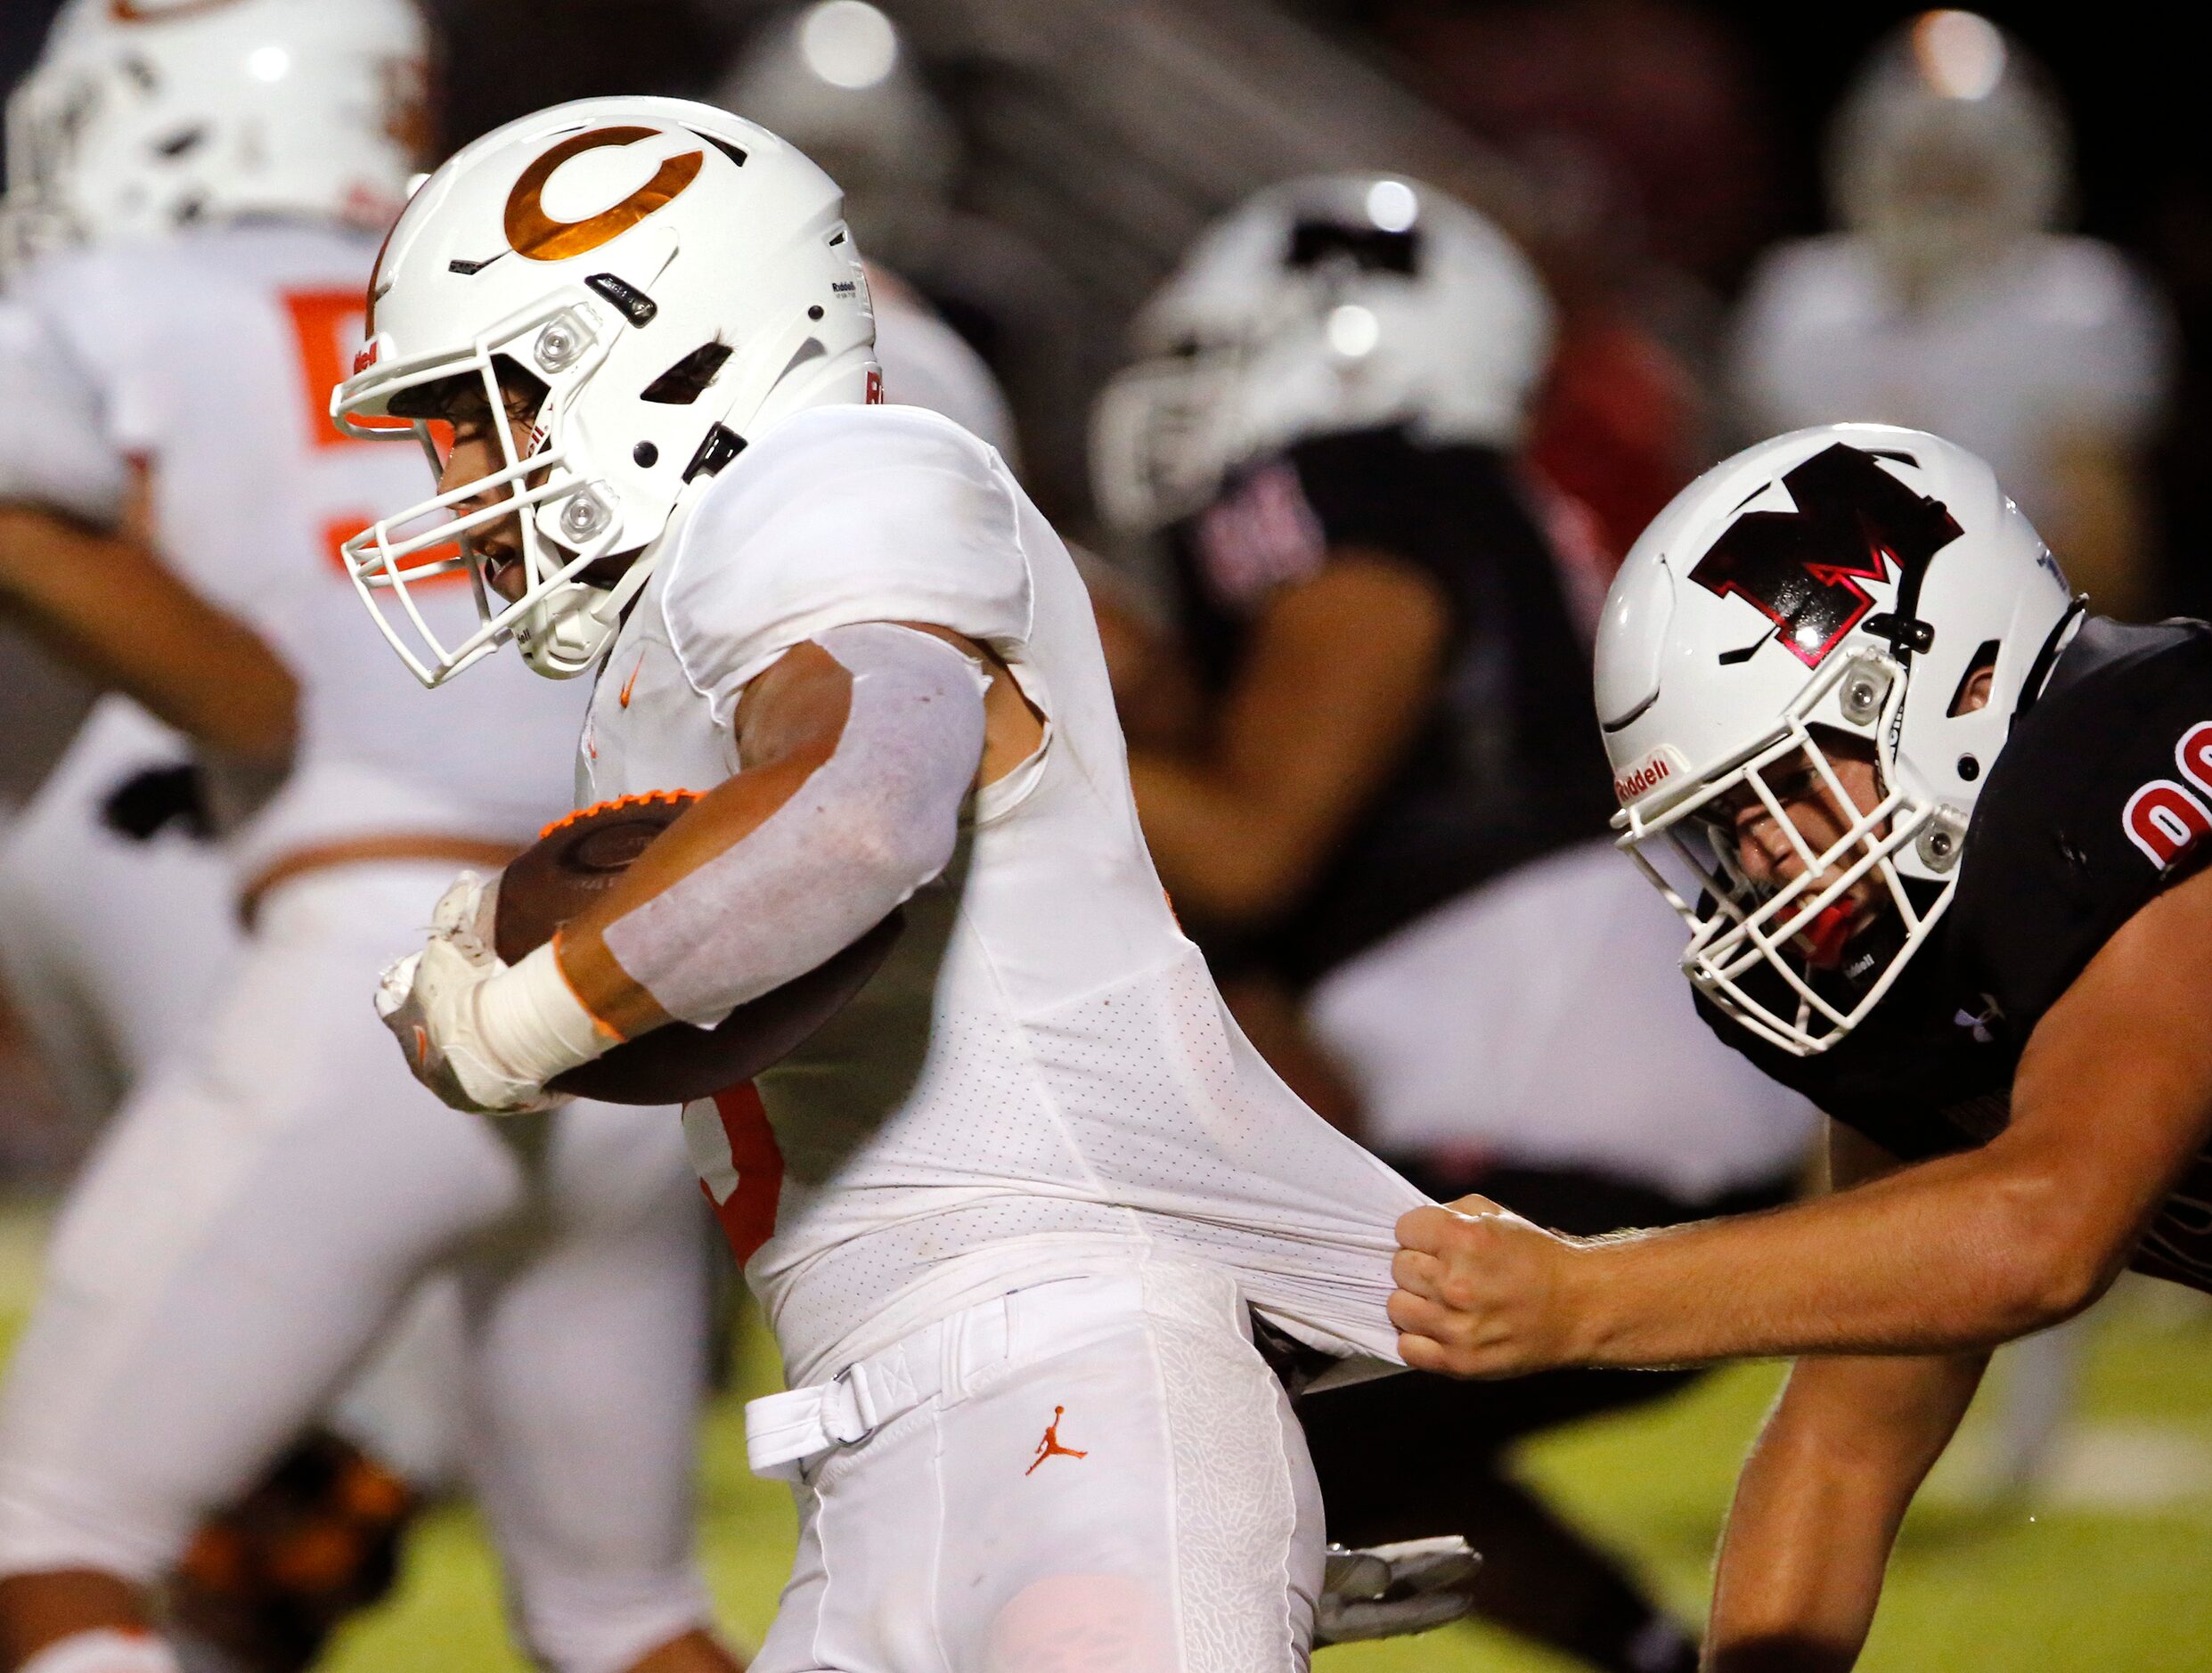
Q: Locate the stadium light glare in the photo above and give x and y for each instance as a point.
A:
(1353, 332)
(849, 43)
(1960, 54)
(1391, 206)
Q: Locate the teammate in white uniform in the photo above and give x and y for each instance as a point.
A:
(276, 1188)
(1010, 1213)
(1948, 303)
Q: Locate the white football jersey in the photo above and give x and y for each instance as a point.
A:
(2063, 338)
(211, 356)
(1042, 1080)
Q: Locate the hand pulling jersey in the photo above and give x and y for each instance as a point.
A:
(1041, 1081)
(212, 357)
(2101, 800)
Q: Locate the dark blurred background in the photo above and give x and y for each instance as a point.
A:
(1647, 148)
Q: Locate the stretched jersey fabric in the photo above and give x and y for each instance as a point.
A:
(2101, 800)
(2061, 337)
(1506, 766)
(211, 356)
(1041, 1081)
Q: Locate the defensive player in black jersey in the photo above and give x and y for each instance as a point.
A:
(1939, 838)
(1386, 661)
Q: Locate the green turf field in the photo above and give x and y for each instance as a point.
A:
(2111, 1568)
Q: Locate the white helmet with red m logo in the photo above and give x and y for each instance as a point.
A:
(145, 116)
(676, 278)
(1849, 582)
(1321, 305)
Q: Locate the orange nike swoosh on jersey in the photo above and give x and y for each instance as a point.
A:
(630, 684)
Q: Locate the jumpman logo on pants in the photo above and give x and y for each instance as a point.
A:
(1050, 1446)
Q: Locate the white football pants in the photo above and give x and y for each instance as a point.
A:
(1099, 1475)
(248, 1225)
(110, 946)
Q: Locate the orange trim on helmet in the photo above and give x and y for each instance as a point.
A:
(133, 11)
(647, 798)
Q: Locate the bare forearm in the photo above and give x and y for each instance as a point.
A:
(1338, 670)
(1818, 1507)
(110, 610)
(1957, 1253)
(1219, 851)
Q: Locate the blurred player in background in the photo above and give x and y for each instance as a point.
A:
(118, 916)
(1011, 1213)
(1948, 302)
(845, 83)
(1375, 813)
(200, 193)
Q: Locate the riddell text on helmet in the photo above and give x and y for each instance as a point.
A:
(1646, 776)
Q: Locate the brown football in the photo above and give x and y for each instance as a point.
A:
(578, 860)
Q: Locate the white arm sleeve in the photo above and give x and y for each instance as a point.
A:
(874, 823)
(54, 449)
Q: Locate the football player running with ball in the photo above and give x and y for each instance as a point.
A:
(1939, 840)
(1011, 1212)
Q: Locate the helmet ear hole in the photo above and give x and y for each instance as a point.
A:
(1973, 686)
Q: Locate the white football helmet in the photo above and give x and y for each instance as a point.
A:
(142, 116)
(677, 278)
(1849, 580)
(1333, 303)
(1952, 145)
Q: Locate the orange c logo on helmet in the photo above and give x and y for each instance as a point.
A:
(535, 234)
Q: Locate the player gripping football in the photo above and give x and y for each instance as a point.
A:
(1011, 1211)
(1939, 840)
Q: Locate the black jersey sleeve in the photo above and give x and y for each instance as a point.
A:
(2100, 799)
(1377, 490)
(1365, 489)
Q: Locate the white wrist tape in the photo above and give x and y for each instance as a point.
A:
(872, 824)
(531, 1023)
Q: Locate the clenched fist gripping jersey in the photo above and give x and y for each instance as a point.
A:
(1042, 1081)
